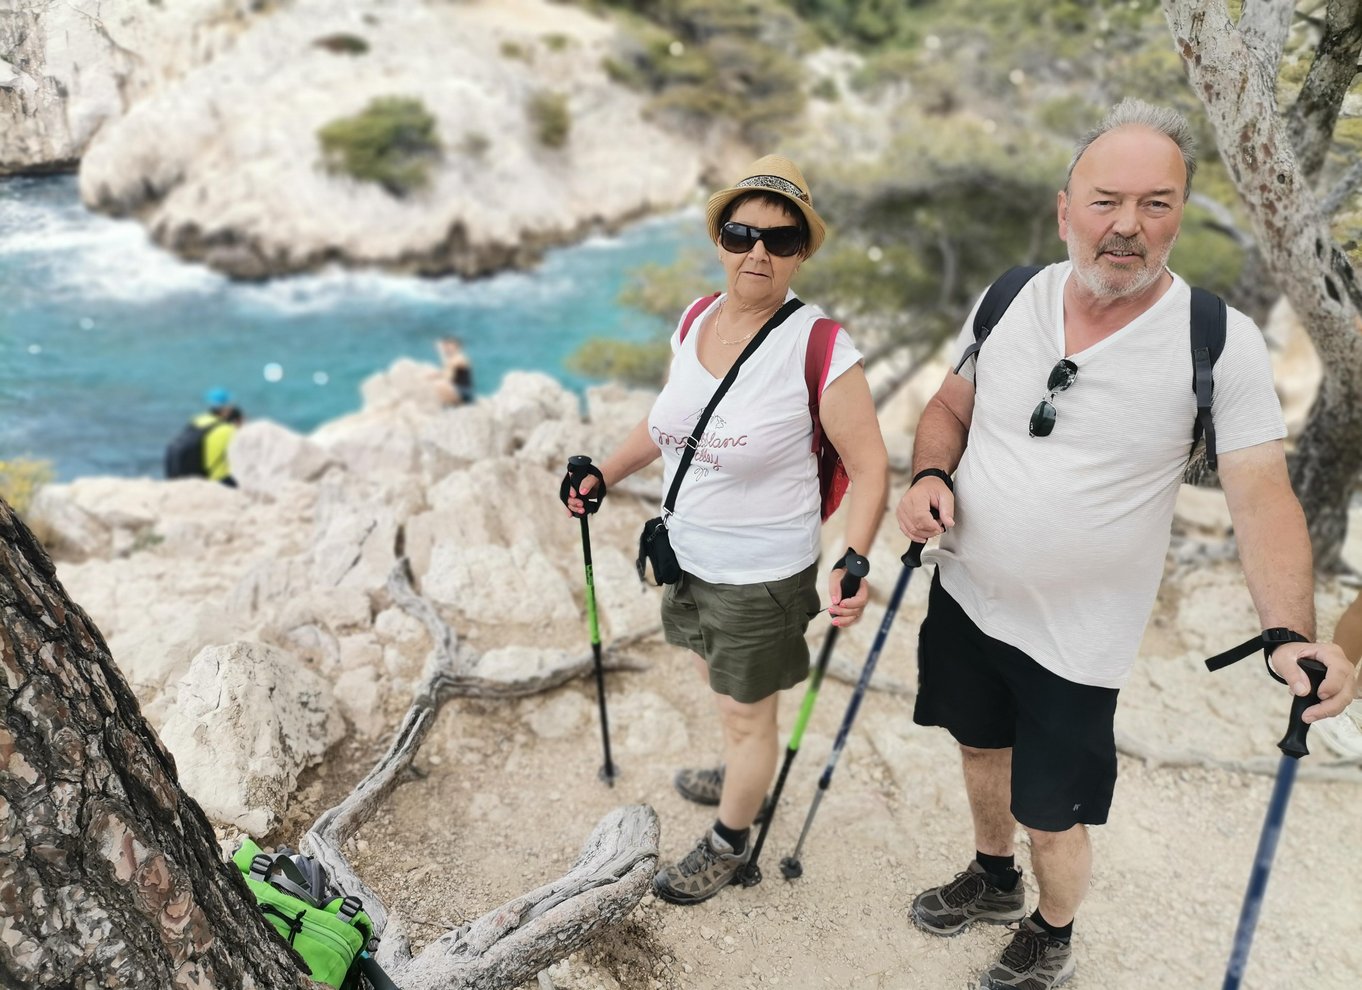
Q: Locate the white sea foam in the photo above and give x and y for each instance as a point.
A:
(94, 257)
(335, 287)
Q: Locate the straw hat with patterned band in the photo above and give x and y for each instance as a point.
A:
(772, 174)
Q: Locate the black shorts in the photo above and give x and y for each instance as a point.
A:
(989, 695)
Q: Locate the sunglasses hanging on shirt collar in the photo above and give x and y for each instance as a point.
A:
(1062, 375)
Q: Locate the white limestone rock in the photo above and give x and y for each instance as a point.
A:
(69, 531)
(515, 663)
(224, 165)
(264, 456)
(559, 716)
(493, 583)
(248, 720)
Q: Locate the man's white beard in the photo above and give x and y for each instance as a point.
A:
(1102, 283)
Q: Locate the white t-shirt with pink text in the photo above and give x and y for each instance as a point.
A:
(748, 510)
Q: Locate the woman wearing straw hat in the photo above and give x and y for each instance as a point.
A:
(745, 526)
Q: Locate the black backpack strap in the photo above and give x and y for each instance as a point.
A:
(994, 304)
(1208, 340)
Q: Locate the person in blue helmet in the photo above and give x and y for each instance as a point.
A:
(200, 448)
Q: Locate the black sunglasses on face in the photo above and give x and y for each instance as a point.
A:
(739, 238)
(1043, 416)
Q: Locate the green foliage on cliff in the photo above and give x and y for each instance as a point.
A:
(550, 117)
(392, 142)
(716, 61)
(342, 43)
(946, 138)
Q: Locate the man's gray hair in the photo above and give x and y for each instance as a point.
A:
(1130, 111)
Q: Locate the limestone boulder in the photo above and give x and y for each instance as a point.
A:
(69, 531)
(68, 71)
(612, 411)
(265, 456)
(379, 448)
(493, 583)
(527, 399)
(404, 384)
(248, 719)
(225, 166)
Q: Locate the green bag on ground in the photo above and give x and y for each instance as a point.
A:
(330, 938)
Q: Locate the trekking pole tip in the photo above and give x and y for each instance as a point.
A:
(608, 773)
(750, 875)
(791, 868)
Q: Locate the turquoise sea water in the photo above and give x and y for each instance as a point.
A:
(107, 343)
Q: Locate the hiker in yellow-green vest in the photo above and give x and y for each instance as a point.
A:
(200, 449)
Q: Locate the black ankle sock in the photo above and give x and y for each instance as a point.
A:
(1000, 870)
(735, 837)
(1058, 933)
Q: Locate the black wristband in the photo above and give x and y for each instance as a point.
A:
(1275, 637)
(933, 473)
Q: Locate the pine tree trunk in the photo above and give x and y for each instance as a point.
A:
(1233, 69)
(111, 875)
(1327, 464)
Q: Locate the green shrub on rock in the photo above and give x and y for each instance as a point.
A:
(391, 142)
(342, 43)
(548, 112)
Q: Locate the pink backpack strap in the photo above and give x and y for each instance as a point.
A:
(817, 362)
(693, 313)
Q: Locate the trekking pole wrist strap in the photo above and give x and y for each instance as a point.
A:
(1267, 641)
(933, 473)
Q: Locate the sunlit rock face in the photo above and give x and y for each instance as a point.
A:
(204, 125)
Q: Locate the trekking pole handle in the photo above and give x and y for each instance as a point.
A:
(857, 567)
(580, 467)
(1293, 743)
(913, 556)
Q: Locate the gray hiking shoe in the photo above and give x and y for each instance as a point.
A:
(948, 909)
(704, 785)
(707, 869)
(1032, 961)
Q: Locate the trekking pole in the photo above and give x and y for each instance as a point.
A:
(1293, 748)
(790, 867)
(378, 979)
(580, 467)
(857, 567)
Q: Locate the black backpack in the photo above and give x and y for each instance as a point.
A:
(1207, 341)
(184, 454)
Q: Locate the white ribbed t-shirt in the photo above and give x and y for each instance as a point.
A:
(748, 510)
(1059, 541)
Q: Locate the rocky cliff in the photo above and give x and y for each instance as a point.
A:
(203, 122)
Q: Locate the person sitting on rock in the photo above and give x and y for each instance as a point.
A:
(200, 449)
(455, 382)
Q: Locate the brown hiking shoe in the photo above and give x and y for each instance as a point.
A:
(1032, 961)
(704, 785)
(707, 869)
(949, 909)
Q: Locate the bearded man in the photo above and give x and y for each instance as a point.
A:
(1057, 522)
